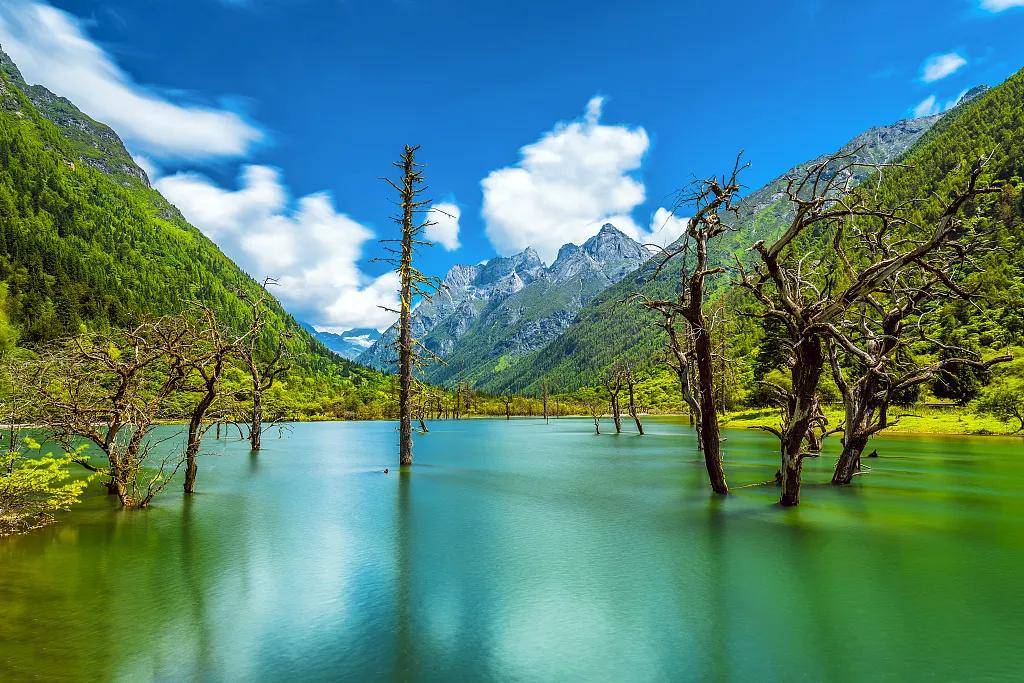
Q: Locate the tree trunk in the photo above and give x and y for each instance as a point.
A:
(195, 434)
(191, 458)
(849, 460)
(405, 343)
(633, 411)
(807, 367)
(256, 428)
(616, 413)
(691, 403)
(709, 434)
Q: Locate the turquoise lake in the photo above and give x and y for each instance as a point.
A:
(519, 551)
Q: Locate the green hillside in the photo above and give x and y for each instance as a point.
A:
(607, 330)
(86, 244)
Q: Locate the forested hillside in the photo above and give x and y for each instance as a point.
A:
(87, 245)
(987, 120)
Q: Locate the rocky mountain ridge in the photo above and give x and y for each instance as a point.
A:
(511, 305)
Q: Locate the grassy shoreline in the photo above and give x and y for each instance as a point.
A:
(954, 420)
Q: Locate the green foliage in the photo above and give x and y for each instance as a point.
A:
(1003, 397)
(83, 250)
(33, 487)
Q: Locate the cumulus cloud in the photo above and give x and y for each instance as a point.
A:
(308, 246)
(445, 230)
(52, 48)
(1000, 5)
(938, 67)
(566, 185)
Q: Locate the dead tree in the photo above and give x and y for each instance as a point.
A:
(412, 283)
(678, 356)
(109, 389)
(264, 368)
(205, 353)
(422, 405)
(595, 405)
(613, 384)
(877, 351)
(507, 400)
(631, 382)
(710, 201)
(810, 293)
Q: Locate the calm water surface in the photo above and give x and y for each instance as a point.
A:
(519, 551)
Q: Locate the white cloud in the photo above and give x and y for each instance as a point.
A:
(666, 228)
(311, 249)
(926, 107)
(52, 48)
(445, 230)
(362, 340)
(930, 105)
(938, 67)
(567, 184)
(1000, 5)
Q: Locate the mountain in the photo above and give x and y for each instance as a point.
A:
(488, 315)
(348, 344)
(92, 142)
(87, 244)
(605, 330)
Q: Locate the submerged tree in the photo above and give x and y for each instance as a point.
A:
(613, 384)
(877, 352)
(412, 283)
(595, 404)
(110, 389)
(809, 293)
(710, 200)
(264, 367)
(206, 354)
(629, 376)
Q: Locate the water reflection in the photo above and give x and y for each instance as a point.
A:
(524, 551)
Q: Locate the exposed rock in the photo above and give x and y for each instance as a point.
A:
(512, 305)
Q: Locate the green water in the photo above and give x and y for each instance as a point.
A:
(519, 551)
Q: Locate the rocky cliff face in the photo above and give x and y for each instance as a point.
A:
(511, 305)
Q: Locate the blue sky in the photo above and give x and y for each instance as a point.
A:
(269, 121)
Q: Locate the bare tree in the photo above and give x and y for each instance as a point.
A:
(595, 404)
(710, 200)
(109, 389)
(613, 384)
(629, 376)
(422, 403)
(264, 368)
(809, 294)
(507, 400)
(678, 356)
(876, 351)
(410, 188)
(206, 352)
